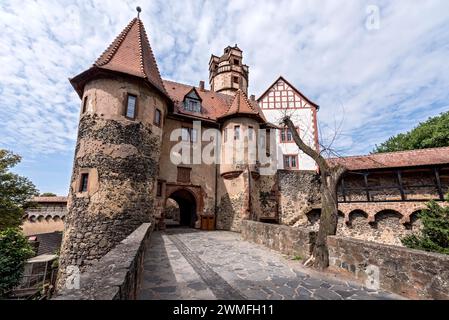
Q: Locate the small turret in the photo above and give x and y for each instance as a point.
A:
(227, 73)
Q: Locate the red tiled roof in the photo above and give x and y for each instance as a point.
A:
(242, 106)
(412, 158)
(131, 53)
(214, 104)
(49, 199)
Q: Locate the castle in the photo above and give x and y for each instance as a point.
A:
(143, 140)
(126, 163)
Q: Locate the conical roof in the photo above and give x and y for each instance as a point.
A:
(130, 53)
(242, 106)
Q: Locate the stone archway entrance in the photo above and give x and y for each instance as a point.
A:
(190, 204)
(187, 207)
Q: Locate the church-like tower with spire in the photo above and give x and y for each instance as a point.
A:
(125, 170)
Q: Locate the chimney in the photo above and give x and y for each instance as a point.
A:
(253, 97)
(202, 85)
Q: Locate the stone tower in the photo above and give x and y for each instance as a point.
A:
(239, 168)
(227, 73)
(115, 168)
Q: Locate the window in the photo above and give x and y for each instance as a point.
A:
(157, 117)
(250, 133)
(131, 107)
(185, 136)
(192, 105)
(237, 133)
(189, 134)
(225, 135)
(236, 62)
(159, 189)
(290, 161)
(235, 79)
(84, 182)
(84, 104)
(286, 135)
(268, 142)
(193, 135)
(184, 174)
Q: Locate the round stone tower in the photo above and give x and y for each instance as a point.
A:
(239, 167)
(227, 73)
(115, 168)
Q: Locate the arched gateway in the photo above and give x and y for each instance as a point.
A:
(189, 202)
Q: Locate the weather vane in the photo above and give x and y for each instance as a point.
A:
(139, 10)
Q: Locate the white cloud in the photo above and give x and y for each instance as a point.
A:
(385, 80)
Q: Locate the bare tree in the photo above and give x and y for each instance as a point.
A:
(330, 177)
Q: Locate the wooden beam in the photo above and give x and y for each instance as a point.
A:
(365, 179)
(436, 172)
(401, 185)
(343, 189)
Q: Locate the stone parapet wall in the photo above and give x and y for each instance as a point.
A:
(407, 272)
(117, 275)
(287, 240)
(411, 273)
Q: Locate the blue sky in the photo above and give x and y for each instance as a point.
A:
(375, 82)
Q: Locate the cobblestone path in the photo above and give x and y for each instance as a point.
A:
(191, 264)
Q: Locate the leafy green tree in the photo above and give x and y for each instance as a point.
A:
(15, 191)
(14, 251)
(48, 194)
(433, 133)
(434, 235)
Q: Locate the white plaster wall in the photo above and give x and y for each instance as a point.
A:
(302, 118)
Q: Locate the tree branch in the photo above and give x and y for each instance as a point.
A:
(322, 163)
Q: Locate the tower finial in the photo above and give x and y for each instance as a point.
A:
(139, 10)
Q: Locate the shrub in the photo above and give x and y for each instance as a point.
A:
(14, 251)
(434, 235)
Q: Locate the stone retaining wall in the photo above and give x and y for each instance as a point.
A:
(287, 240)
(411, 273)
(299, 193)
(117, 275)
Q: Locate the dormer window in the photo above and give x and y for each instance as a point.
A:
(192, 105)
(192, 102)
